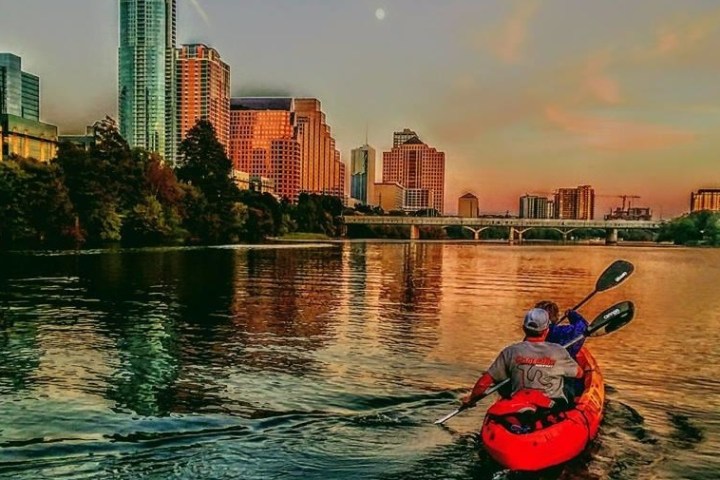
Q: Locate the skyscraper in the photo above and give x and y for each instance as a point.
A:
(575, 203)
(21, 132)
(415, 165)
(322, 171)
(263, 142)
(532, 206)
(362, 174)
(19, 91)
(146, 85)
(203, 90)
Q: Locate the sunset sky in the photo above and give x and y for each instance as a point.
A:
(522, 96)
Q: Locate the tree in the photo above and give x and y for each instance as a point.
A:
(203, 163)
(212, 211)
(34, 204)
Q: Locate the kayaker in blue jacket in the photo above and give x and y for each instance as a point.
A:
(563, 334)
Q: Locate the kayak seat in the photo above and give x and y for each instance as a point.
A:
(527, 411)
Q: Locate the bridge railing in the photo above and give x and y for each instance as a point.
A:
(499, 222)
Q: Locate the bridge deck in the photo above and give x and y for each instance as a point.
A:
(499, 222)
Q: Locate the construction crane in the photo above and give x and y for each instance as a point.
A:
(625, 202)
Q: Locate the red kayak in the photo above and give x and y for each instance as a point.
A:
(519, 437)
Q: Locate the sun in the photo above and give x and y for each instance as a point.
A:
(380, 13)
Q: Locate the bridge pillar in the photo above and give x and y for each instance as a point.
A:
(520, 236)
(612, 236)
(343, 230)
(511, 236)
(414, 232)
(476, 233)
(565, 234)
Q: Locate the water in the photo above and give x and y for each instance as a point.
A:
(332, 362)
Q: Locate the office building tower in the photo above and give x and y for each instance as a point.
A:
(21, 132)
(362, 174)
(322, 171)
(263, 142)
(415, 165)
(203, 90)
(146, 75)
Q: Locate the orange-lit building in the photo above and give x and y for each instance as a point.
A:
(263, 142)
(415, 165)
(575, 203)
(203, 90)
(389, 196)
(322, 170)
(705, 199)
(468, 206)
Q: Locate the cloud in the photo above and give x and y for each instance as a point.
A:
(616, 135)
(201, 11)
(598, 83)
(507, 40)
(686, 37)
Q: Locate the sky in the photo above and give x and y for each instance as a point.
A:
(522, 96)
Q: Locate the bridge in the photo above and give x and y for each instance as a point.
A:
(517, 227)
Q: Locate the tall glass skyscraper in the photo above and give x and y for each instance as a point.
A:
(19, 91)
(362, 176)
(146, 76)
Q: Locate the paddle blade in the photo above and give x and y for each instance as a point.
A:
(447, 417)
(612, 319)
(614, 275)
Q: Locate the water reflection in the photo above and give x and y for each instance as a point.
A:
(333, 362)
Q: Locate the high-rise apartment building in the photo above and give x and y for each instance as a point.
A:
(705, 199)
(468, 206)
(362, 174)
(203, 90)
(415, 165)
(322, 170)
(21, 132)
(532, 206)
(575, 203)
(263, 142)
(146, 76)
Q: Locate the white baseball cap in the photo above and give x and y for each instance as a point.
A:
(536, 320)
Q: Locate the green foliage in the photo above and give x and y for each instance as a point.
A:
(697, 228)
(369, 209)
(35, 208)
(213, 213)
(202, 163)
(319, 214)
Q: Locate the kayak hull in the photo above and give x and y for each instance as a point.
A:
(557, 443)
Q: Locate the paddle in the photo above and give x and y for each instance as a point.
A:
(610, 320)
(613, 276)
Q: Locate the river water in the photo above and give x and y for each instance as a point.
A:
(332, 361)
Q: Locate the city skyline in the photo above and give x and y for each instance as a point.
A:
(516, 106)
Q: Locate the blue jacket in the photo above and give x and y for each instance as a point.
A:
(562, 334)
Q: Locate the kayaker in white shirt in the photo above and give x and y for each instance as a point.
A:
(531, 364)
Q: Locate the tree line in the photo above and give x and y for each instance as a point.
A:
(112, 193)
